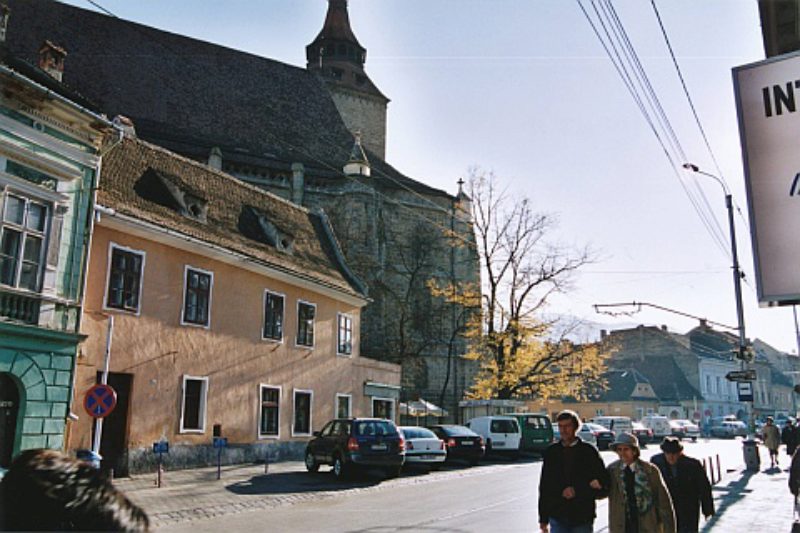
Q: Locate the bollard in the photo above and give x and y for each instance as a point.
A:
(266, 463)
(719, 470)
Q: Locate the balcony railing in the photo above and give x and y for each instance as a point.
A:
(38, 310)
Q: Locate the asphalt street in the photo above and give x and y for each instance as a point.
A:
(501, 496)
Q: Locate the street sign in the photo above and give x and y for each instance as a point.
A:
(741, 375)
(100, 400)
(220, 442)
(745, 391)
(161, 447)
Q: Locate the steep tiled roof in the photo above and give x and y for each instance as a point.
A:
(189, 95)
(621, 386)
(149, 183)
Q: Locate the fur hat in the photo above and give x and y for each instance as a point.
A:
(625, 439)
(671, 445)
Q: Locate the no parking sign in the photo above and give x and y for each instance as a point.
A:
(100, 400)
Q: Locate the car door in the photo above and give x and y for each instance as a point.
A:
(325, 443)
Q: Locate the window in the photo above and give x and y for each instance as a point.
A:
(273, 316)
(269, 424)
(345, 339)
(302, 412)
(197, 297)
(383, 408)
(22, 241)
(125, 279)
(193, 407)
(305, 323)
(708, 383)
(343, 402)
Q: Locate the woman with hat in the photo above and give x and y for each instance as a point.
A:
(638, 499)
(687, 484)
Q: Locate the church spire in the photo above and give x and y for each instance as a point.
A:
(336, 42)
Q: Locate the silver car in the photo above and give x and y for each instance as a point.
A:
(423, 447)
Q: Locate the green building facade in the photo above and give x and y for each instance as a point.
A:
(50, 147)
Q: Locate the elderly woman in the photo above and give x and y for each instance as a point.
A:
(638, 499)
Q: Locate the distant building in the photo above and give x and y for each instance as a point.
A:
(50, 145)
(234, 315)
(780, 26)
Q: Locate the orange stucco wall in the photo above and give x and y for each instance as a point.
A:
(158, 351)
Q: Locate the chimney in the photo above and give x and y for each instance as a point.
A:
(125, 125)
(603, 334)
(4, 13)
(215, 158)
(51, 59)
(298, 182)
(664, 327)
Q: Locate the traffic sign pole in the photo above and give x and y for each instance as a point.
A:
(98, 422)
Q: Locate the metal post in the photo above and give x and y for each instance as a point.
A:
(219, 462)
(98, 422)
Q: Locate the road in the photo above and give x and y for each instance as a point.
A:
(500, 496)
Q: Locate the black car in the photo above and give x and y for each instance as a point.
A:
(460, 442)
(603, 435)
(349, 443)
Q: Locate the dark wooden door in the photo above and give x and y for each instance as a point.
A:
(114, 440)
(9, 408)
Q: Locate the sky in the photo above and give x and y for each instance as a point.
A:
(524, 88)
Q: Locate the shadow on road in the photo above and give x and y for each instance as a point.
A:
(299, 482)
(734, 492)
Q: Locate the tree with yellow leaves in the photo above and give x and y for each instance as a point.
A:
(522, 353)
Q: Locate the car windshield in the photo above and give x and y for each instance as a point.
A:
(503, 426)
(536, 422)
(418, 433)
(375, 428)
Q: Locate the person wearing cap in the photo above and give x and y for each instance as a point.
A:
(638, 499)
(573, 477)
(687, 483)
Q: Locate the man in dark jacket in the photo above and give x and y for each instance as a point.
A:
(687, 484)
(573, 477)
(789, 437)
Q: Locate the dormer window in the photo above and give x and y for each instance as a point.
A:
(168, 191)
(255, 224)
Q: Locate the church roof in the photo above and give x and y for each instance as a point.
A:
(154, 185)
(189, 95)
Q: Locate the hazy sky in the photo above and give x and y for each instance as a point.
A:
(524, 88)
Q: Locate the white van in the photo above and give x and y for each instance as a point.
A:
(659, 424)
(617, 424)
(500, 433)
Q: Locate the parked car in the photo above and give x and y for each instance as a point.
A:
(537, 432)
(644, 434)
(617, 424)
(659, 424)
(500, 433)
(461, 443)
(728, 429)
(423, 447)
(603, 436)
(584, 433)
(685, 429)
(350, 443)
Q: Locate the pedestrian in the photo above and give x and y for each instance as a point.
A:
(687, 483)
(772, 440)
(573, 477)
(46, 490)
(639, 502)
(789, 437)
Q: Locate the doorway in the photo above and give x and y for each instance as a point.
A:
(114, 440)
(9, 411)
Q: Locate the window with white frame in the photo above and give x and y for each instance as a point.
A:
(344, 405)
(345, 337)
(269, 423)
(383, 408)
(124, 279)
(302, 412)
(273, 316)
(23, 234)
(305, 323)
(193, 406)
(197, 297)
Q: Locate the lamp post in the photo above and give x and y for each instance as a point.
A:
(737, 274)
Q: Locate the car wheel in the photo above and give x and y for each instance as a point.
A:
(311, 464)
(694, 439)
(340, 469)
(393, 471)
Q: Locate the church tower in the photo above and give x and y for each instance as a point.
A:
(338, 58)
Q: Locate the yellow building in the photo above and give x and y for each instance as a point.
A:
(231, 312)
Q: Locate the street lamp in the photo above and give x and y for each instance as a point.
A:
(737, 275)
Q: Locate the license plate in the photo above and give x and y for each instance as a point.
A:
(379, 447)
(467, 443)
(498, 444)
(430, 457)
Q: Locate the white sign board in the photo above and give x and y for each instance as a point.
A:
(768, 104)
